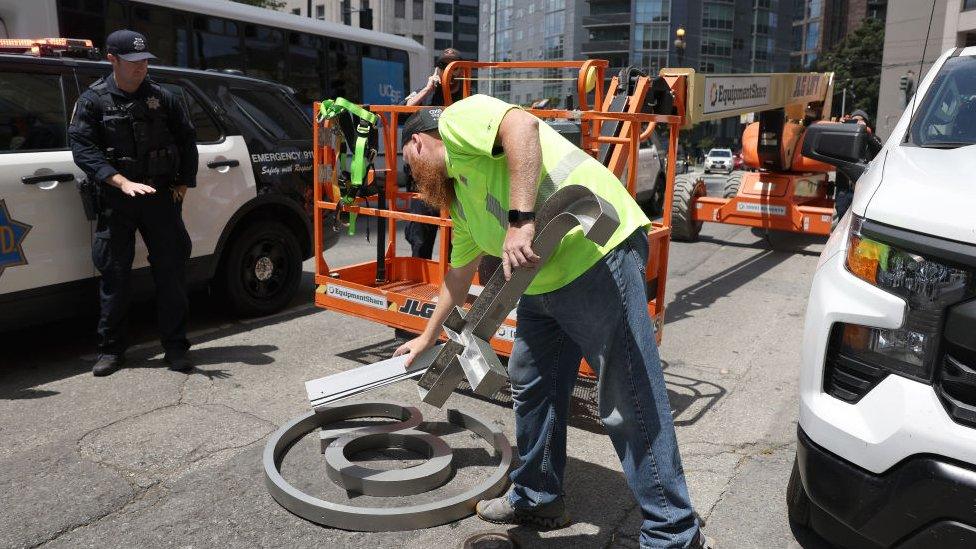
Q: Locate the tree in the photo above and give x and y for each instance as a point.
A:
(270, 4)
(856, 64)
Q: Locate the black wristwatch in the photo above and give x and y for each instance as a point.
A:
(518, 216)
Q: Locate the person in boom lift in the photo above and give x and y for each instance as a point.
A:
(493, 165)
(421, 236)
(844, 193)
(135, 141)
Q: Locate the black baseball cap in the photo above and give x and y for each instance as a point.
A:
(421, 121)
(128, 45)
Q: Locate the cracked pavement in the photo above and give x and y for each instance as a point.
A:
(153, 458)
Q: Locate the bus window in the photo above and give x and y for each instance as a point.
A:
(264, 48)
(91, 20)
(306, 69)
(165, 29)
(216, 43)
(345, 74)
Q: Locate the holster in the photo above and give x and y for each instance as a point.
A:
(89, 198)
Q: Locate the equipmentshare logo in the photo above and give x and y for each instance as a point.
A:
(730, 93)
(357, 296)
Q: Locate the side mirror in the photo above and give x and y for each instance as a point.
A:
(838, 144)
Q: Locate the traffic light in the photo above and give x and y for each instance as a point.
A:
(903, 83)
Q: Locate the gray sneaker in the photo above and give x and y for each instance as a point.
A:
(500, 511)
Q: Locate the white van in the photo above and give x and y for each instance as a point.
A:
(886, 454)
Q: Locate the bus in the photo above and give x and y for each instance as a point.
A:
(317, 59)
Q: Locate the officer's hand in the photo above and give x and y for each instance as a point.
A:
(131, 188)
(517, 250)
(414, 347)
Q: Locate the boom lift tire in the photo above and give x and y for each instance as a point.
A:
(687, 188)
(731, 188)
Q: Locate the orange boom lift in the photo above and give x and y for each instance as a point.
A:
(789, 192)
(399, 290)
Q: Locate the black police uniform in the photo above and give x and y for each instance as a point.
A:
(146, 136)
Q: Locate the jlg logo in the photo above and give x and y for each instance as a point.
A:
(418, 308)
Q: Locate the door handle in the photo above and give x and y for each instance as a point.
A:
(214, 164)
(47, 178)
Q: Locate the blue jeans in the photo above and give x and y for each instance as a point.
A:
(602, 315)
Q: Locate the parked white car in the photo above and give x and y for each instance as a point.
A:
(719, 160)
(886, 451)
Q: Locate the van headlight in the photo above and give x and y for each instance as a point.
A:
(927, 285)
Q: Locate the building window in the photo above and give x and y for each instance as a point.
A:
(419, 38)
(296, 11)
(445, 9)
(442, 43)
(443, 26)
(968, 5)
(400, 8)
(418, 9)
(320, 11)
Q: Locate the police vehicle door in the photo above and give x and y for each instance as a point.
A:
(45, 238)
(224, 176)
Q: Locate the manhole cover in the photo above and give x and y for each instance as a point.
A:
(489, 540)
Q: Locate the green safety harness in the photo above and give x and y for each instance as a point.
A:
(356, 127)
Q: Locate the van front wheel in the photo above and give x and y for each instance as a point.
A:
(262, 270)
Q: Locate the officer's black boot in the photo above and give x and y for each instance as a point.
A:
(178, 361)
(107, 365)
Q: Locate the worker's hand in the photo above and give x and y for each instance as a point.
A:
(179, 193)
(414, 347)
(130, 188)
(433, 81)
(517, 250)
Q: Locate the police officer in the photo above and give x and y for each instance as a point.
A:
(135, 141)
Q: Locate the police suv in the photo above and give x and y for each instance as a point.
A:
(249, 217)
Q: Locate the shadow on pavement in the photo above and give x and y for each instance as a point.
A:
(705, 292)
(42, 354)
(690, 398)
(593, 493)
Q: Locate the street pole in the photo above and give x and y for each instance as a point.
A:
(843, 102)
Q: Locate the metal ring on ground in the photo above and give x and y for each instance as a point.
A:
(409, 417)
(394, 482)
(379, 519)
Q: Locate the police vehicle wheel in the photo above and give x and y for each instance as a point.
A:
(263, 269)
(683, 226)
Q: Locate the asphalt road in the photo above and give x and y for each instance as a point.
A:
(152, 458)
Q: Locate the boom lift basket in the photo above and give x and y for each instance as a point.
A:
(399, 290)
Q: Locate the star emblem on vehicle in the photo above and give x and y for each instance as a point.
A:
(152, 103)
(12, 234)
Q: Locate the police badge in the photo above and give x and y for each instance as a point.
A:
(152, 103)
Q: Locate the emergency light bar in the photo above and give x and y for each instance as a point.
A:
(50, 47)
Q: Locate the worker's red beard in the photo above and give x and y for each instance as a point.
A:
(433, 184)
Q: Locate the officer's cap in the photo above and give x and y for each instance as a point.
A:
(421, 121)
(128, 45)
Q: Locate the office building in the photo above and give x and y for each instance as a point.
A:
(819, 25)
